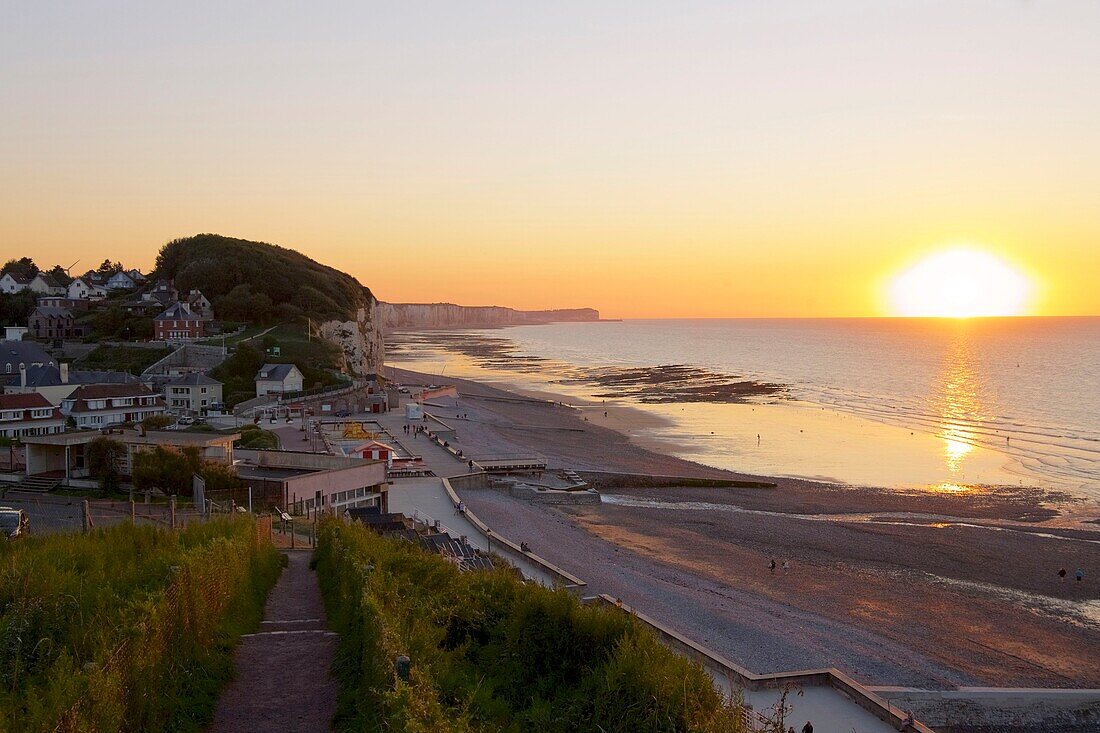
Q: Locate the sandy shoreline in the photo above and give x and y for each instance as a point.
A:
(948, 588)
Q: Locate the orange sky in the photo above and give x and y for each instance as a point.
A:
(668, 160)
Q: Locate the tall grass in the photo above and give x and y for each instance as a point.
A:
(490, 653)
(128, 628)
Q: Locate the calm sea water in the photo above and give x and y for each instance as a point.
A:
(906, 402)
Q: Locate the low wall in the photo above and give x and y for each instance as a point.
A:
(613, 479)
(743, 678)
(554, 496)
(999, 708)
(476, 480)
(565, 579)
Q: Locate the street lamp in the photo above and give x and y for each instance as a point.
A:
(489, 539)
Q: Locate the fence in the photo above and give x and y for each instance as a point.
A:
(51, 513)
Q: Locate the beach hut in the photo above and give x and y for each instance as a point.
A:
(374, 450)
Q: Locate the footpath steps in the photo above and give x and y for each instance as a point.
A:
(281, 676)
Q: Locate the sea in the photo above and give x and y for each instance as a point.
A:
(923, 404)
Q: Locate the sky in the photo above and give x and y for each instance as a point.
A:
(677, 159)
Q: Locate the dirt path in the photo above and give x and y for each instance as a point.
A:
(280, 674)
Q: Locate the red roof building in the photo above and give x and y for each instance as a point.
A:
(28, 414)
(96, 406)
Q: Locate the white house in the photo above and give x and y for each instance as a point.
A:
(44, 284)
(193, 393)
(12, 283)
(121, 281)
(81, 289)
(277, 379)
(28, 414)
(99, 405)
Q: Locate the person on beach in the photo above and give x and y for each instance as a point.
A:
(786, 565)
(771, 565)
(1062, 573)
(1080, 575)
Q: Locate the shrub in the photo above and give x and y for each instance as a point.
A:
(492, 653)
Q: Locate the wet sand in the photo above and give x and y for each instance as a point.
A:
(930, 589)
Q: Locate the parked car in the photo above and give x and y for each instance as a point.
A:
(13, 522)
(343, 413)
(186, 420)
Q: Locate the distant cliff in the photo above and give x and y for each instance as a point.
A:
(448, 315)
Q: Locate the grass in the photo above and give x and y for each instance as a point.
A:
(128, 628)
(132, 359)
(490, 653)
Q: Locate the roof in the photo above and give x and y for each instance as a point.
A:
(275, 372)
(133, 437)
(48, 279)
(17, 278)
(194, 379)
(371, 444)
(52, 311)
(81, 395)
(23, 352)
(25, 401)
(178, 312)
(50, 376)
(104, 391)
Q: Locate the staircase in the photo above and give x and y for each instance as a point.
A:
(37, 484)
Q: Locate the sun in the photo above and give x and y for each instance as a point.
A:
(960, 283)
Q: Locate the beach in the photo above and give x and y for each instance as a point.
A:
(916, 588)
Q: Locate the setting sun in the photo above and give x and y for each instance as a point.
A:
(960, 283)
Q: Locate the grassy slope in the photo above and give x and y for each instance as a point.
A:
(129, 628)
(490, 653)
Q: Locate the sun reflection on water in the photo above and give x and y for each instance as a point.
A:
(958, 402)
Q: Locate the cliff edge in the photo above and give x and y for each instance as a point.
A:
(395, 316)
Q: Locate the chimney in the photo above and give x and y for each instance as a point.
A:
(64, 367)
(23, 375)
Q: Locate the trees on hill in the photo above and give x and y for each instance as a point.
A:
(292, 283)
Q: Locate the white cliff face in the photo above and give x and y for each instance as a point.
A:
(359, 340)
(448, 315)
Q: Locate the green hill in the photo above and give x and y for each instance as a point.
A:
(258, 282)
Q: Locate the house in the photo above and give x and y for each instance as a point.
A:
(44, 284)
(163, 292)
(137, 277)
(56, 383)
(17, 356)
(48, 322)
(198, 303)
(86, 289)
(121, 281)
(28, 414)
(64, 455)
(64, 301)
(193, 393)
(278, 379)
(96, 406)
(12, 283)
(178, 323)
(374, 450)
